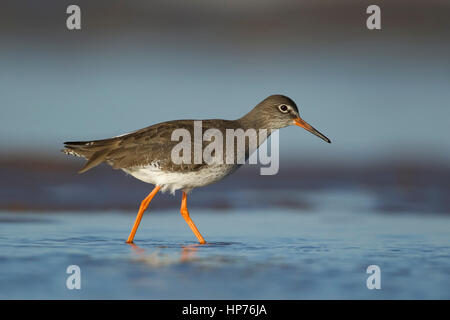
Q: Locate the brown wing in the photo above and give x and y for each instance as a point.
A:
(142, 147)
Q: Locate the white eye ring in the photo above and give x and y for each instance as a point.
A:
(283, 108)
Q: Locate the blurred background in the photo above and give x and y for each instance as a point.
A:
(381, 96)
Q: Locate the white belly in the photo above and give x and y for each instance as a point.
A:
(186, 181)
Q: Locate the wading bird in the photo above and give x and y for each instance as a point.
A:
(146, 153)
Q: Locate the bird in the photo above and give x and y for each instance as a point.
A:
(146, 153)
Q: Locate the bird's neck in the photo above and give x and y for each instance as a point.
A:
(251, 120)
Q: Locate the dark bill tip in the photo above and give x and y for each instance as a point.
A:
(301, 123)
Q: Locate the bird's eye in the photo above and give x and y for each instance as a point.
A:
(283, 108)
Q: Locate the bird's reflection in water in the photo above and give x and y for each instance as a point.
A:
(158, 259)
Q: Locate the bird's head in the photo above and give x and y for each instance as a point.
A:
(278, 111)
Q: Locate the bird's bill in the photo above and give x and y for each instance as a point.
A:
(301, 123)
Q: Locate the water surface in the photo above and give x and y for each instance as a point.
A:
(251, 254)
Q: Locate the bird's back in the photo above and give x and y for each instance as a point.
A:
(150, 145)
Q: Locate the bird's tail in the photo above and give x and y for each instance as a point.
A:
(94, 151)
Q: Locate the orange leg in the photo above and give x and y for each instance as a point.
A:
(185, 213)
(144, 205)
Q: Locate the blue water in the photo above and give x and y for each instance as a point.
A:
(251, 254)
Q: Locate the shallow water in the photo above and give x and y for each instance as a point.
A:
(251, 254)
